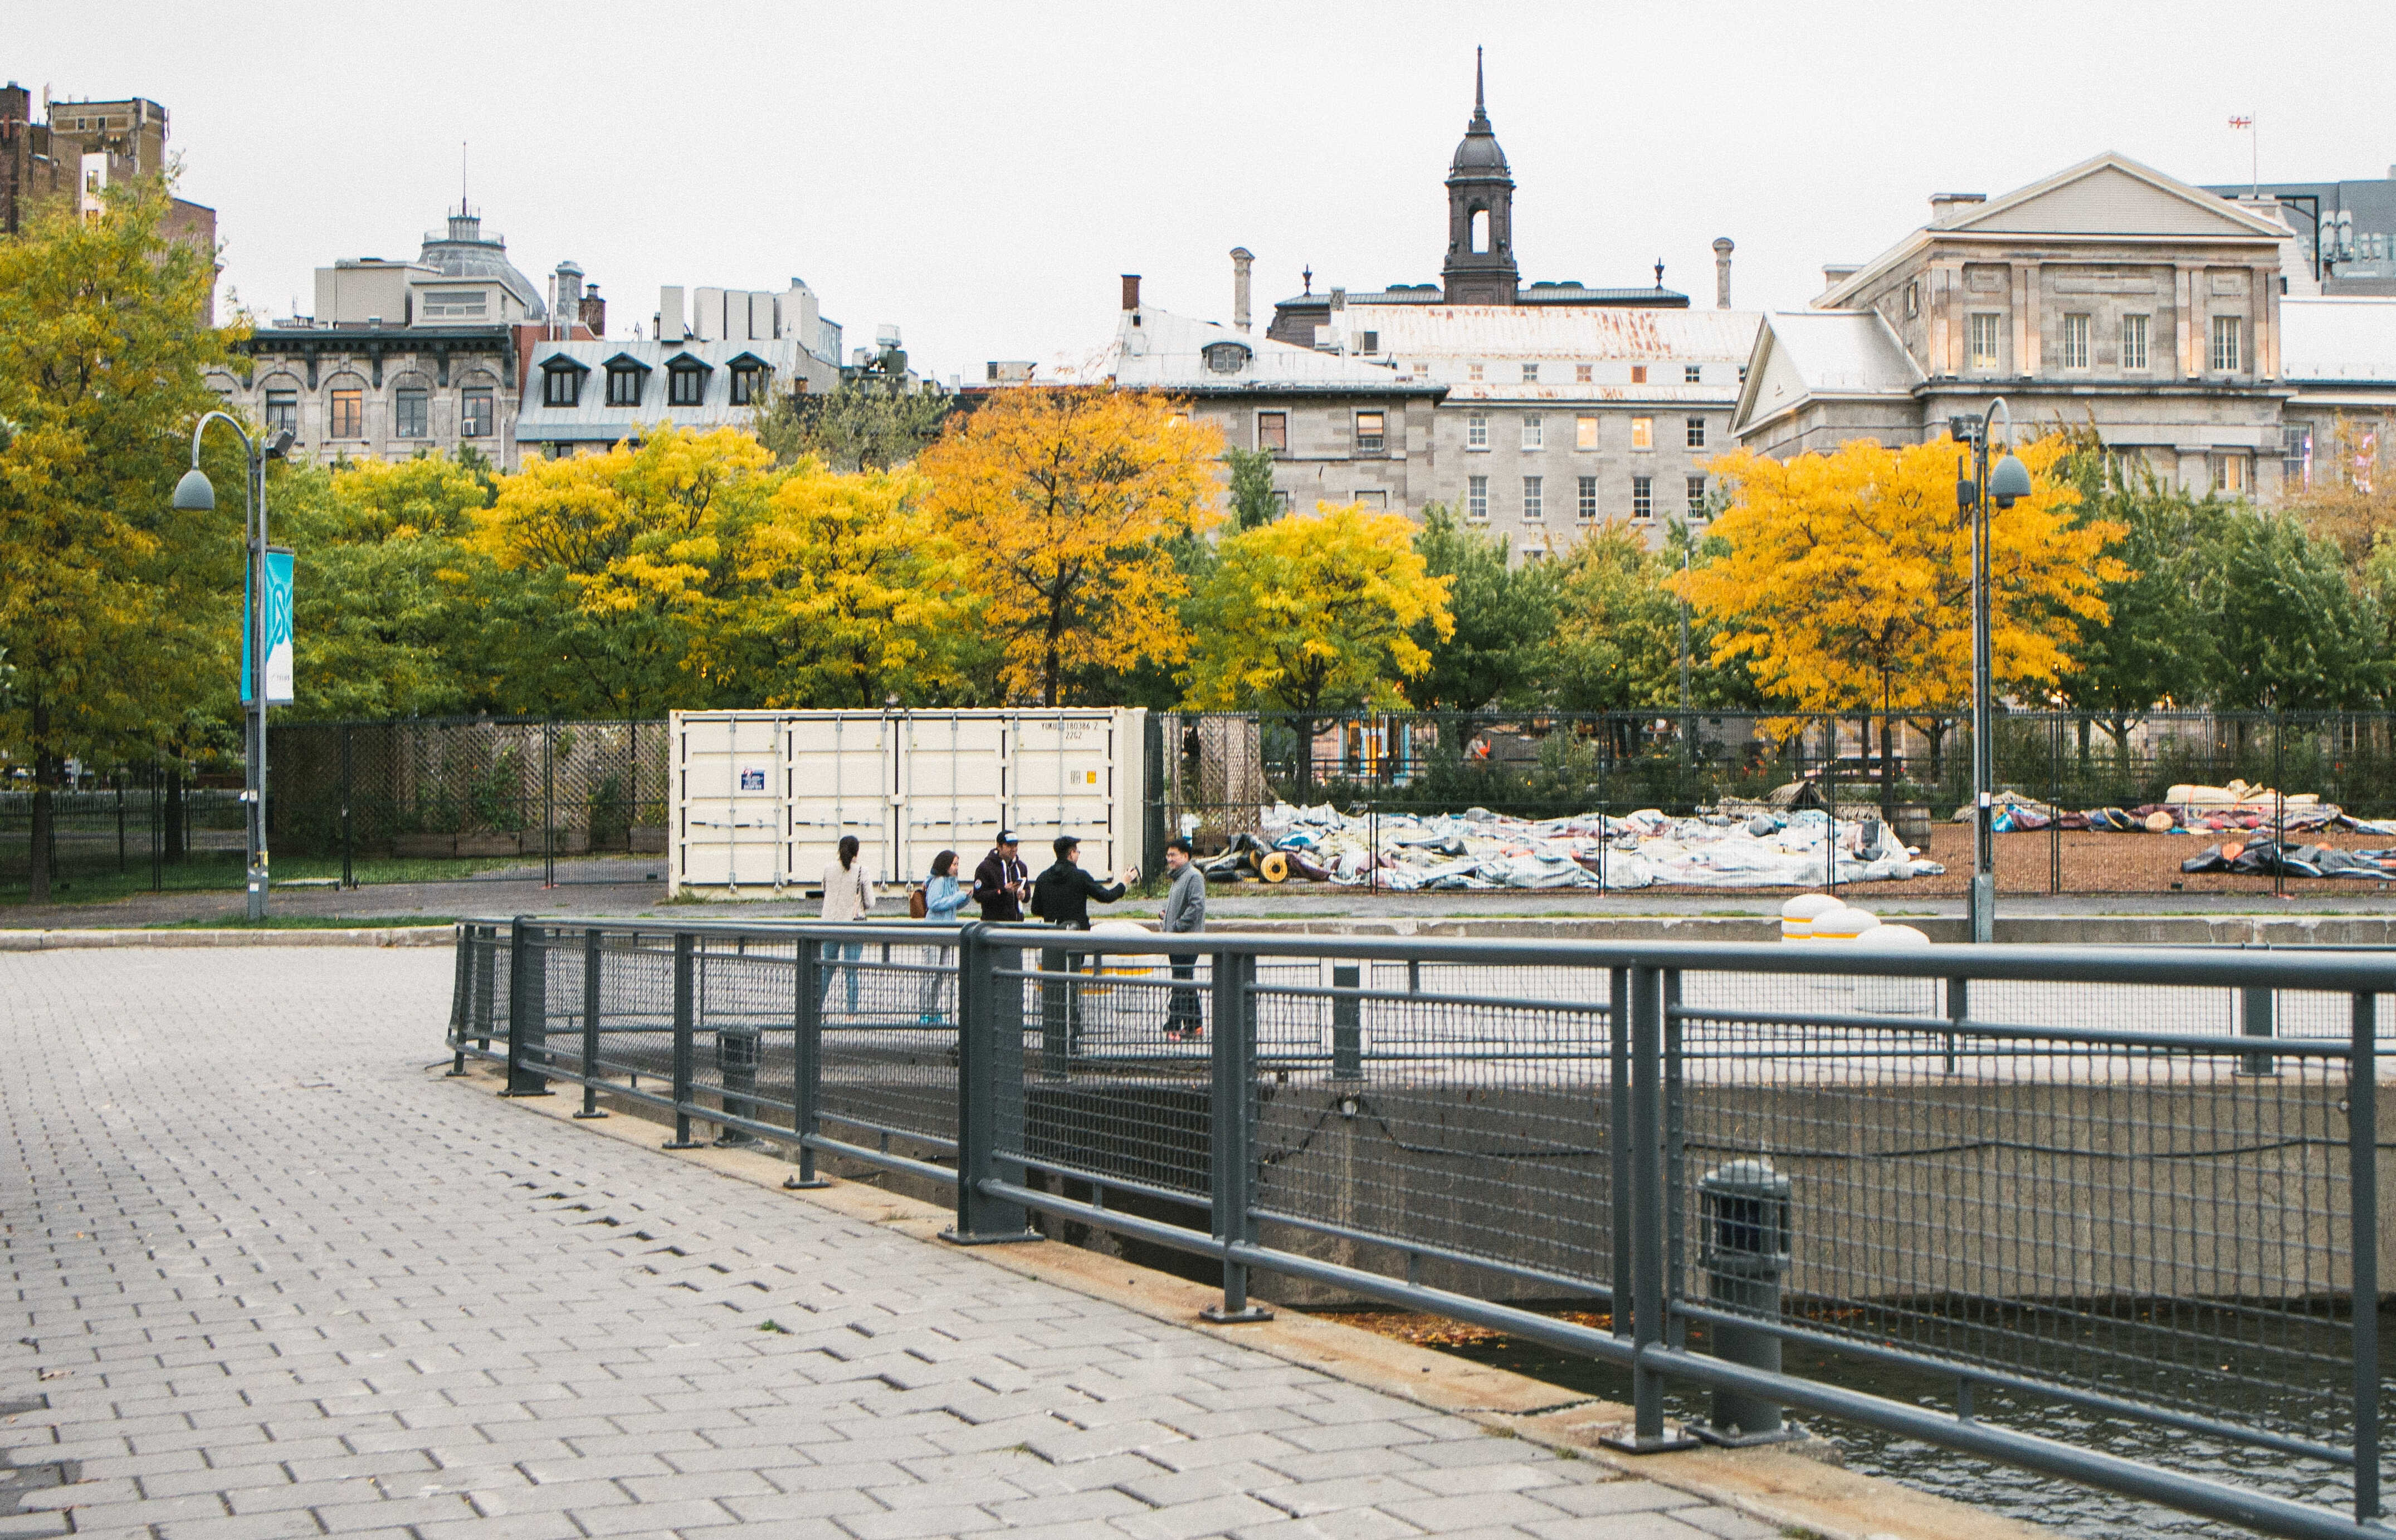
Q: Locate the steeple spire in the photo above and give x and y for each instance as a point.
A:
(1480, 267)
(1479, 112)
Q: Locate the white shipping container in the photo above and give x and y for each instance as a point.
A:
(760, 798)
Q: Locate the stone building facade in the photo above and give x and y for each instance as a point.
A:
(79, 149)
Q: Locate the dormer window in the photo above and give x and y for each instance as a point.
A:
(749, 373)
(687, 378)
(561, 382)
(628, 381)
(1226, 357)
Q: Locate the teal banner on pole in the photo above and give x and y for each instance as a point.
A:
(278, 631)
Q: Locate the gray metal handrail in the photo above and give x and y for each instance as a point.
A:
(1925, 1154)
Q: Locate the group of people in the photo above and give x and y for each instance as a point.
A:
(1002, 886)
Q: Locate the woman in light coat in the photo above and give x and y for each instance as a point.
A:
(943, 896)
(848, 900)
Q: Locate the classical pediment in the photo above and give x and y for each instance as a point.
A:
(2111, 195)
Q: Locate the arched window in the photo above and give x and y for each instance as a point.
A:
(1479, 231)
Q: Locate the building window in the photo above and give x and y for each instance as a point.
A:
(1587, 508)
(623, 387)
(687, 387)
(561, 387)
(415, 418)
(2230, 471)
(1696, 497)
(475, 420)
(1584, 373)
(1530, 374)
(1476, 432)
(282, 411)
(1693, 374)
(1371, 496)
(1643, 496)
(1534, 503)
(1534, 434)
(2295, 457)
(349, 415)
(2134, 341)
(1281, 503)
(1369, 433)
(1273, 431)
(1473, 372)
(1642, 432)
(1913, 297)
(456, 304)
(1639, 374)
(2074, 340)
(1696, 432)
(746, 383)
(1585, 432)
(2225, 343)
(1476, 498)
(1983, 342)
(1371, 341)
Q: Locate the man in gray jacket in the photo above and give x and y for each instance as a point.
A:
(1184, 913)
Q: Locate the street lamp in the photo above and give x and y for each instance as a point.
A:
(196, 493)
(2007, 485)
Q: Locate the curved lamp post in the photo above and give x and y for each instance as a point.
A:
(195, 493)
(2004, 486)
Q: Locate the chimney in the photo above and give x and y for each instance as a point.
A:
(1943, 205)
(594, 311)
(1339, 297)
(569, 290)
(1131, 291)
(1723, 248)
(670, 313)
(1241, 258)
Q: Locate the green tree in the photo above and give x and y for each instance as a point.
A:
(864, 425)
(115, 611)
(1617, 643)
(1252, 488)
(2286, 630)
(2153, 647)
(1503, 619)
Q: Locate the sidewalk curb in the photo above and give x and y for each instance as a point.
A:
(72, 941)
(1774, 1486)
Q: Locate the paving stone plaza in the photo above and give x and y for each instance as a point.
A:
(270, 1276)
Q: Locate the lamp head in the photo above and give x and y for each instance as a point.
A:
(193, 494)
(2009, 481)
(280, 444)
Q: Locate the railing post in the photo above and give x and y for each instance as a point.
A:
(1347, 1026)
(685, 995)
(807, 1059)
(1618, 1146)
(1233, 1122)
(487, 984)
(2254, 1019)
(2363, 1190)
(1056, 1012)
(590, 955)
(1676, 1329)
(990, 1089)
(1959, 1010)
(527, 1009)
(1647, 1433)
(461, 996)
(348, 874)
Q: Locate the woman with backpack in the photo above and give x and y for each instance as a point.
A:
(848, 900)
(942, 896)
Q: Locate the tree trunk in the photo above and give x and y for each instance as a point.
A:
(174, 843)
(1888, 769)
(38, 884)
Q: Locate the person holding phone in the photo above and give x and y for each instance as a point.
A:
(848, 900)
(943, 896)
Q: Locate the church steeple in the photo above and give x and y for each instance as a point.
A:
(1479, 267)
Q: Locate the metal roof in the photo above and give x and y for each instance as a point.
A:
(1164, 351)
(1580, 334)
(592, 420)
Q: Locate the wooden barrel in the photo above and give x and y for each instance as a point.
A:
(1912, 822)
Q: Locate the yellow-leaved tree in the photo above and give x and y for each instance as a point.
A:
(1316, 612)
(1847, 586)
(1063, 506)
(614, 555)
(842, 595)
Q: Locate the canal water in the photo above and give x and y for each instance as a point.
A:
(2064, 1507)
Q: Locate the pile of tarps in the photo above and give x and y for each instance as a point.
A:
(2264, 856)
(1480, 849)
(2186, 809)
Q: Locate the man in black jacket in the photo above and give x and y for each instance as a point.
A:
(1061, 894)
(1000, 882)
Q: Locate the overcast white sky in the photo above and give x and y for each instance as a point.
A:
(979, 174)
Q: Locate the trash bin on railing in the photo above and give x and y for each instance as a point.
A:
(1743, 1216)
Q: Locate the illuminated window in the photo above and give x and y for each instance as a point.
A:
(1983, 349)
(1584, 373)
(1639, 374)
(1642, 432)
(2229, 472)
(348, 417)
(1585, 432)
(1369, 433)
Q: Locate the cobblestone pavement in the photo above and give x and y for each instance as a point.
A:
(270, 1279)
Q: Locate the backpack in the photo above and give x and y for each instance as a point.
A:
(917, 906)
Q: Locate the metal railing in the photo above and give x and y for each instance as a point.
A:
(2105, 1177)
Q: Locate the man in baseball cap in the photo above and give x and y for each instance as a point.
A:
(1001, 881)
